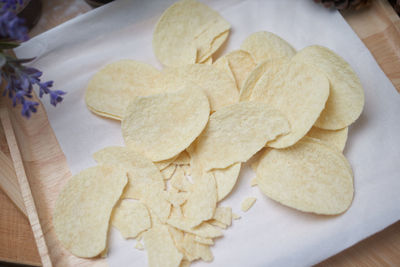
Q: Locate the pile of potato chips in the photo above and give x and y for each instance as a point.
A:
(189, 127)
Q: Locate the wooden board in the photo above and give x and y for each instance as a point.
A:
(47, 169)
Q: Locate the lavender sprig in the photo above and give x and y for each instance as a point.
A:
(20, 80)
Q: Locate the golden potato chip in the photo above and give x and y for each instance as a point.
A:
(145, 180)
(188, 30)
(161, 126)
(202, 199)
(266, 45)
(197, 250)
(346, 99)
(226, 179)
(216, 84)
(203, 240)
(204, 229)
(83, 209)
(297, 90)
(308, 176)
(248, 203)
(168, 171)
(335, 138)
(160, 246)
(223, 215)
(235, 133)
(130, 218)
(239, 63)
(254, 76)
(112, 88)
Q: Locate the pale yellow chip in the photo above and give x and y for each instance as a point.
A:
(177, 198)
(204, 229)
(168, 171)
(297, 90)
(235, 133)
(185, 28)
(266, 45)
(182, 159)
(161, 126)
(335, 138)
(203, 240)
(208, 61)
(179, 180)
(160, 247)
(165, 163)
(346, 99)
(130, 218)
(202, 199)
(83, 209)
(217, 223)
(213, 47)
(112, 88)
(254, 76)
(195, 249)
(248, 203)
(216, 84)
(145, 180)
(223, 215)
(226, 179)
(308, 176)
(238, 63)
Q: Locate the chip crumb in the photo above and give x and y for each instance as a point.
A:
(139, 246)
(235, 216)
(248, 203)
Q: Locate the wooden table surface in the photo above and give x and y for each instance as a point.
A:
(378, 27)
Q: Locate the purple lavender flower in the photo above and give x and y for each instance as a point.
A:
(12, 27)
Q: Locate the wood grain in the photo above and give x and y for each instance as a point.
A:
(378, 29)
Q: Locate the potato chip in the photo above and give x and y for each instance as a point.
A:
(248, 203)
(308, 176)
(145, 180)
(235, 133)
(197, 250)
(208, 61)
(168, 171)
(161, 126)
(161, 250)
(179, 180)
(216, 84)
(203, 240)
(254, 76)
(266, 45)
(202, 199)
(161, 165)
(203, 230)
(346, 99)
(177, 198)
(299, 91)
(217, 223)
(226, 179)
(83, 209)
(223, 215)
(130, 218)
(239, 63)
(335, 138)
(112, 88)
(188, 26)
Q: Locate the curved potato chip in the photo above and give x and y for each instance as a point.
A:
(112, 88)
(235, 133)
(165, 163)
(346, 99)
(216, 84)
(308, 176)
(83, 209)
(266, 45)
(131, 218)
(248, 85)
(145, 180)
(162, 126)
(226, 179)
(240, 63)
(297, 90)
(336, 138)
(188, 30)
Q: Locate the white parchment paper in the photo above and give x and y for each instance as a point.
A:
(269, 234)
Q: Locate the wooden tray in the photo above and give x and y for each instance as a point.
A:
(46, 166)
